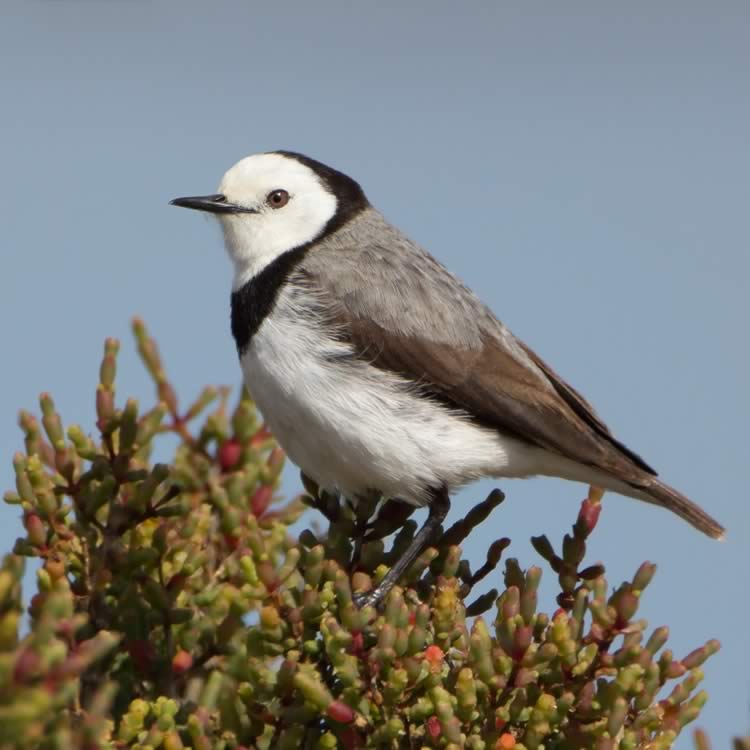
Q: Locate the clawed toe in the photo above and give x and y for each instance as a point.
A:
(363, 599)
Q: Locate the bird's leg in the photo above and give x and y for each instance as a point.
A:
(438, 509)
(360, 528)
(362, 511)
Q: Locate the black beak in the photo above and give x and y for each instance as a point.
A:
(215, 204)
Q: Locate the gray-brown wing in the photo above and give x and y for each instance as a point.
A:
(402, 311)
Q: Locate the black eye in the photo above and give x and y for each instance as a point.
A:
(277, 198)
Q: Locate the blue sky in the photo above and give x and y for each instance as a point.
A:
(583, 166)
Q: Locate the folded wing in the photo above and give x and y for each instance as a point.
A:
(425, 325)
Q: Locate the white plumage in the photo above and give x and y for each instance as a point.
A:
(352, 427)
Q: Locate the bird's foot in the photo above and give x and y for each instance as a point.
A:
(370, 598)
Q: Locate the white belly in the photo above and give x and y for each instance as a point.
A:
(352, 428)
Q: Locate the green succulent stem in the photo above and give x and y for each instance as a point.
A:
(180, 605)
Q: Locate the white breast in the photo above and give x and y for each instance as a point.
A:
(352, 427)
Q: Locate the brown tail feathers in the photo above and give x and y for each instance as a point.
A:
(661, 494)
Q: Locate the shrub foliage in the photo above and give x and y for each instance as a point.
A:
(176, 608)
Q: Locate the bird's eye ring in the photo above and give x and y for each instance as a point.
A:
(277, 198)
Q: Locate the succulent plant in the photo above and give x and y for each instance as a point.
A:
(176, 608)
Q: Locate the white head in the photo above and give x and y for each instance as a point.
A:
(269, 204)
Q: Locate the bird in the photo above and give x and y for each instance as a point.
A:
(377, 370)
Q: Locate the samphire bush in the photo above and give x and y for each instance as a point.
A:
(176, 609)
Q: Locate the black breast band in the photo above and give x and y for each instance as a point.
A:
(254, 300)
